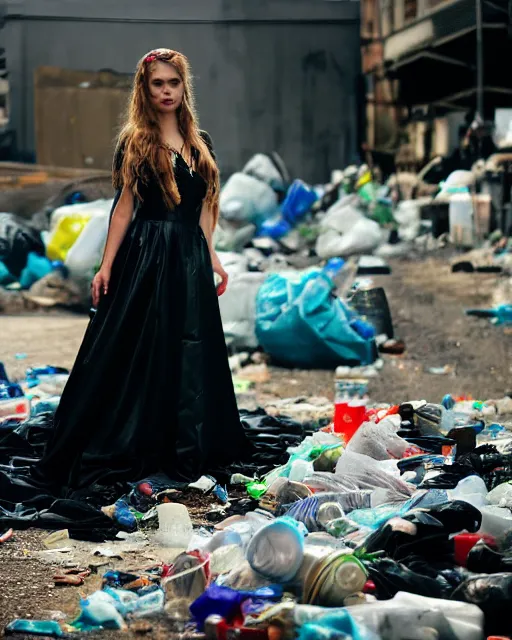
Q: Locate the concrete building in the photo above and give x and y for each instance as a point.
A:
(429, 65)
(270, 74)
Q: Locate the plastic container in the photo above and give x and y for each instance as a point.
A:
(461, 220)
(334, 578)
(275, 228)
(277, 549)
(298, 201)
(174, 525)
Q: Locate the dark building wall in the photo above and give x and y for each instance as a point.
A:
(270, 74)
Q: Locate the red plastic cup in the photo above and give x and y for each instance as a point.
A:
(348, 417)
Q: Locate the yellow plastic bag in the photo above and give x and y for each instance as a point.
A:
(65, 234)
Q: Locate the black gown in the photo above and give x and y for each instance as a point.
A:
(151, 388)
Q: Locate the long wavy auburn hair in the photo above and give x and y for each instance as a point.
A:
(141, 141)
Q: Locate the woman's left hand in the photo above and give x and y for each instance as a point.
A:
(219, 269)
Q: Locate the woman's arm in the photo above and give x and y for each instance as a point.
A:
(121, 218)
(119, 224)
(206, 222)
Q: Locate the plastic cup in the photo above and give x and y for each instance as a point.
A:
(174, 525)
(348, 417)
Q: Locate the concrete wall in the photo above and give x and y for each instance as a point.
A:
(270, 74)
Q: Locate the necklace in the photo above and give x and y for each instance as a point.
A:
(180, 154)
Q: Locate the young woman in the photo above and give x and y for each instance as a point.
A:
(151, 388)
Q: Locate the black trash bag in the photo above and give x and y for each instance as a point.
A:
(493, 594)
(424, 532)
(428, 418)
(17, 240)
(483, 559)
(390, 577)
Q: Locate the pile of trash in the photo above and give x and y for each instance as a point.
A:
(355, 520)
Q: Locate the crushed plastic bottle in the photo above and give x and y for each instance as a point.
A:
(48, 628)
(149, 604)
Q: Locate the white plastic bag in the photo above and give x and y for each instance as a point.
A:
(420, 615)
(408, 216)
(260, 166)
(365, 473)
(92, 209)
(244, 198)
(379, 441)
(86, 253)
(341, 216)
(238, 307)
(365, 235)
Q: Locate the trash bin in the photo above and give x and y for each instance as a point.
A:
(372, 305)
(438, 213)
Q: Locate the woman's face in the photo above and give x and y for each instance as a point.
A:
(166, 87)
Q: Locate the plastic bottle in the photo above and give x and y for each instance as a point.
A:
(149, 604)
(333, 267)
(300, 469)
(501, 314)
(49, 628)
(277, 549)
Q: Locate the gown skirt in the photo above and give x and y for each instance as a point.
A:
(151, 389)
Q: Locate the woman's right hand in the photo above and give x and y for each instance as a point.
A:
(99, 285)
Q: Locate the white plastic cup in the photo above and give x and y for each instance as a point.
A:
(174, 525)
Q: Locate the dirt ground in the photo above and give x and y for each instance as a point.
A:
(427, 303)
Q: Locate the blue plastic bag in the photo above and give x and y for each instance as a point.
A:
(300, 323)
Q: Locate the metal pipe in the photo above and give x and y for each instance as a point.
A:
(479, 61)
